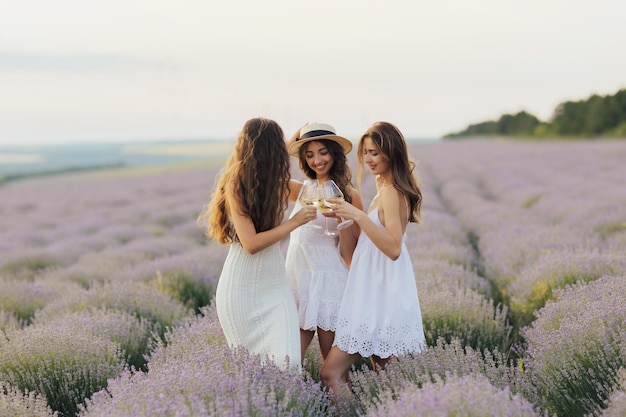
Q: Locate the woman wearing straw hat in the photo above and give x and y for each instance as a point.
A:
(316, 271)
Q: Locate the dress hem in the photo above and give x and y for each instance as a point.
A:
(380, 355)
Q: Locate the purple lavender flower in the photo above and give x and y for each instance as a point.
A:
(14, 403)
(196, 373)
(469, 395)
(558, 269)
(576, 347)
(23, 298)
(135, 336)
(59, 363)
(436, 362)
(8, 322)
(454, 313)
(617, 400)
(136, 298)
(506, 226)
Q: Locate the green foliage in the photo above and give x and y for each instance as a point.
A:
(190, 291)
(47, 173)
(597, 116)
(618, 131)
(528, 203)
(607, 229)
(522, 123)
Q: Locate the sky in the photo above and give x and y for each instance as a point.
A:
(80, 71)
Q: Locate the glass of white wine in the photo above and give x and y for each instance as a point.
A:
(310, 196)
(329, 189)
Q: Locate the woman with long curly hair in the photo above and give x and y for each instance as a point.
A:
(254, 303)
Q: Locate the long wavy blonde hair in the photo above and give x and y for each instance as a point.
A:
(257, 175)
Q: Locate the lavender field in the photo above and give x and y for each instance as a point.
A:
(106, 285)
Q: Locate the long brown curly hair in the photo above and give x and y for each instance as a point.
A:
(393, 146)
(257, 175)
(339, 172)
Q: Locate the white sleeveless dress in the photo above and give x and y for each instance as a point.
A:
(380, 311)
(317, 274)
(255, 307)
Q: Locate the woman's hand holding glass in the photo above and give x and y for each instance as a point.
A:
(306, 215)
(331, 196)
(310, 197)
(342, 209)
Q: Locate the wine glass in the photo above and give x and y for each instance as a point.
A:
(310, 196)
(329, 189)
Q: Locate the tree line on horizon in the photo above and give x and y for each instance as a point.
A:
(597, 116)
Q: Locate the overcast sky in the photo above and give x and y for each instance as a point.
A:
(127, 70)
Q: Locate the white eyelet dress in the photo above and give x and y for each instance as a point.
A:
(255, 307)
(317, 274)
(380, 311)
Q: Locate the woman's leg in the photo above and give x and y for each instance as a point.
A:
(305, 340)
(335, 368)
(326, 339)
(379, 363)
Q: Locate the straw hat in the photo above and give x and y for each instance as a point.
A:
(317, 131)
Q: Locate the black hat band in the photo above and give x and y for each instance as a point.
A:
(315, 133)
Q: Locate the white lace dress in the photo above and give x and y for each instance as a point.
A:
(317, 274)
(380, 311)
(255, 307)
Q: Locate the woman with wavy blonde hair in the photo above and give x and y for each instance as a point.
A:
(254, 303)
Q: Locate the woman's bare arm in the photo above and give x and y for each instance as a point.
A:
(254, 242)
(389, 238)
(348, 237)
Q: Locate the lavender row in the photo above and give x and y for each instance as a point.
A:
(117, 260)
(540, 215)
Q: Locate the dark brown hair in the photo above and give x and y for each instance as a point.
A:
(339, 172)
(392, 145)
(257, 175)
